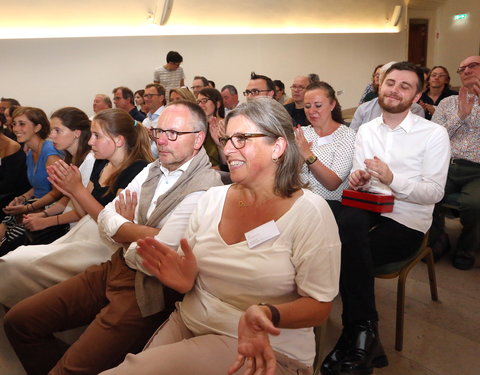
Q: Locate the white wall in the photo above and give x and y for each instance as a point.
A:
(456, 40)
(51, 73)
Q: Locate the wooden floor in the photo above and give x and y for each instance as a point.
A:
(441, 338)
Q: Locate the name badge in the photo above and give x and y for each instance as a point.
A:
(262, 234)
(324, 140)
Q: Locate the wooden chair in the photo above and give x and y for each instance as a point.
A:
(401, 270)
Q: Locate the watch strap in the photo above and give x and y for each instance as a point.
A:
(275, 313)
(311, 159)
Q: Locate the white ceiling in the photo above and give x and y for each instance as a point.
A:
(201, 16)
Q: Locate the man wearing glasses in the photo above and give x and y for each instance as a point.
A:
(295, 109)
(259, 85)
(154, 98)
(120, 301)
(198, 84)
(460, 115)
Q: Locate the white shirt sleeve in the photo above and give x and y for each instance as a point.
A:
(173, 229)
(430, 188)
(86, 168)
(109, 221)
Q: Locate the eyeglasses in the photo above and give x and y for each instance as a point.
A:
(470, 66)
(254, 92)
(297, 87)
(239, 139)
(203, 100)
(172, 135)
(150, 95)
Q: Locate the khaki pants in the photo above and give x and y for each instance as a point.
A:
(174, 350)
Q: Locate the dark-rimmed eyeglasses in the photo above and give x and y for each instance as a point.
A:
(239, 139)
(470, 66)
(172, 135)
(435, 75)
(254, 92)
(148, 96)
(203, 100)
(299, 88)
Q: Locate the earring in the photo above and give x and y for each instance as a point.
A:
(275, 159)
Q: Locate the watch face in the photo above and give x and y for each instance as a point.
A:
(311, 159)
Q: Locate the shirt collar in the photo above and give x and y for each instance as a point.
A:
(153, 116)
(179, 170)
(406, 124)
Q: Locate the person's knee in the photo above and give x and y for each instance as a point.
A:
(470, 206)
(16, 320)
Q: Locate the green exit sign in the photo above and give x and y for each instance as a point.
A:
(458, 17)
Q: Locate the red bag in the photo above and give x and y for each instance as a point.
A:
(368, 201)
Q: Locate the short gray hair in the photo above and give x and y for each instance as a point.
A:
(273, 120)
(198, 115)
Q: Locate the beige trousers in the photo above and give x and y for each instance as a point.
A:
(174, 350)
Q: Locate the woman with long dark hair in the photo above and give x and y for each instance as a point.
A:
(211, 101)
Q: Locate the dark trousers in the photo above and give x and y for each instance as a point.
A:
(368, 240)
(465, 179)
(102, 296)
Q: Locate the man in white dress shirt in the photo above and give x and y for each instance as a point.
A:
(407, 155)
(122, 305)
(154, 97)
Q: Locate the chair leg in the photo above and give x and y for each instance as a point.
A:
(402, 279)
(431, 276)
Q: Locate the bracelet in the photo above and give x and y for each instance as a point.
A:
(58, 222)
(275, 313)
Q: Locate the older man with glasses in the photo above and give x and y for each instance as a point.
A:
(460, 115)
(295, 109)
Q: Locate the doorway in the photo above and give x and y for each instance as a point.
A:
(418, 41)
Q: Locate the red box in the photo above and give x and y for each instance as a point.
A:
(368, 201)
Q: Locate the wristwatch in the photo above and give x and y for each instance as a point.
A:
(275, 313)
(311, 159)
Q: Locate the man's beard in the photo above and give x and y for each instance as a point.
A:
(398, 108)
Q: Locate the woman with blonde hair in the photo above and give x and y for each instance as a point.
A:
(326, 145)
(260, 263)
(181, 93)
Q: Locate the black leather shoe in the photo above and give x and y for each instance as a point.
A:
(367, 351)
(332, 362)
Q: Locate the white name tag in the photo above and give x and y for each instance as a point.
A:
(324, 140)
(262, 234)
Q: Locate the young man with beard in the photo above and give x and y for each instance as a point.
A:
(409, 156)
